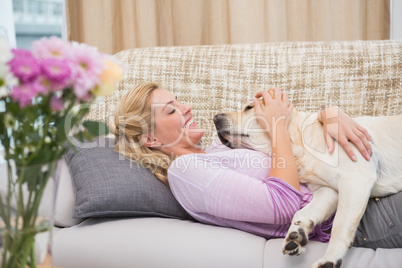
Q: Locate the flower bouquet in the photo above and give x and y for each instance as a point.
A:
(45, 95)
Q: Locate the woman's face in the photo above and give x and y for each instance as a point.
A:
(173, 121)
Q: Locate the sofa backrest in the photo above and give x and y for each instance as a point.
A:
(362, 77)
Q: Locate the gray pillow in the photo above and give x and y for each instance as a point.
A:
(108, 185)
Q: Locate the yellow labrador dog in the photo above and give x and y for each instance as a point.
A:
(337, 183)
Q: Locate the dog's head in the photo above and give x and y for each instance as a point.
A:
(241, 130)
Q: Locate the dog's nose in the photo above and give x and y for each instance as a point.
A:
(218, 119)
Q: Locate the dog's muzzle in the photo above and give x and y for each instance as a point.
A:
(221, 125)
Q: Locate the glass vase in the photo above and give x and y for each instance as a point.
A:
(26, 213)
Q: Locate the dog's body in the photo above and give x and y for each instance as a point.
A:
(337, 183)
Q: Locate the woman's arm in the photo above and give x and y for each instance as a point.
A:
(274, 116)
(339, 126)
(283, 161)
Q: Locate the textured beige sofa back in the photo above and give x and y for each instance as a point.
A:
(362, 77)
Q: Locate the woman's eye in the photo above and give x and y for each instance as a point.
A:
(174, 110)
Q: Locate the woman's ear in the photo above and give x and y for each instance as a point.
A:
(150, 141)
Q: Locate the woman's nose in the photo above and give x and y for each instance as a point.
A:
(186, 108)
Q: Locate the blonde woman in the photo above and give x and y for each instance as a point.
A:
(216, 185)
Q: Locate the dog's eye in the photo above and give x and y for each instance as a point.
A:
(249, 107)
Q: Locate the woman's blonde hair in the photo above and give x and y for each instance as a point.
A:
(132, 119)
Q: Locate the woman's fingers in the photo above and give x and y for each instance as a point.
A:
(361, 143)
(290, 107)
(330, 142)
(270, 94)
(360, 146)
(348, 148)
(285, 99)
(364, 131)
(258, 109)
(274, 110)
(278, 93)
(265, 95)
(346, 140)
(366, 138)
(344, 129)
(257, 105)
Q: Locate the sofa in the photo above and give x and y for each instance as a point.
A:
(361, 77)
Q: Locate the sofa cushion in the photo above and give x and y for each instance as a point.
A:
(106, 184)
(154, 243)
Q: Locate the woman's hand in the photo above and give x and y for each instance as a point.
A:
(339, 126)
(275, 115)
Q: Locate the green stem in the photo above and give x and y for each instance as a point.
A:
(20, 210)
(26, 249)
(33, 212)
(28, 205)
(6, 241)
(19, 242)
(37, 149)
(19, 258)
(33, 257)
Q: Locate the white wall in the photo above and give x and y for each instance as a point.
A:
(7, 28)
(64, 25)
(396, 19)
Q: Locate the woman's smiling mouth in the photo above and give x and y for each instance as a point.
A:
(190, 122)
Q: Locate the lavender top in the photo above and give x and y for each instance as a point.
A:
(232, 188)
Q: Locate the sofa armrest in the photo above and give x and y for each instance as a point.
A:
(65, 198)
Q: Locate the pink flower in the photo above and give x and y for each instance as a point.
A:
(57, 71)
(56, 104)
(52, 47)
(42, 85)
(86, 64)
(82, 87)
(24, 66)
(23, 94)
(22, 53)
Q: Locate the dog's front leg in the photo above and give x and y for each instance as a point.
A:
(353, 197)
(321, 207)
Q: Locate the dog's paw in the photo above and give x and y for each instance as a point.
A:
(294, 242)
(327, 264)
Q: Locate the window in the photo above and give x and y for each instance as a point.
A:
(57, 9)
(33, 7)
(18, 6)
(42, 7)
(35, 19)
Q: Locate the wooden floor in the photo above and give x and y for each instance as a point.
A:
(47, 262)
